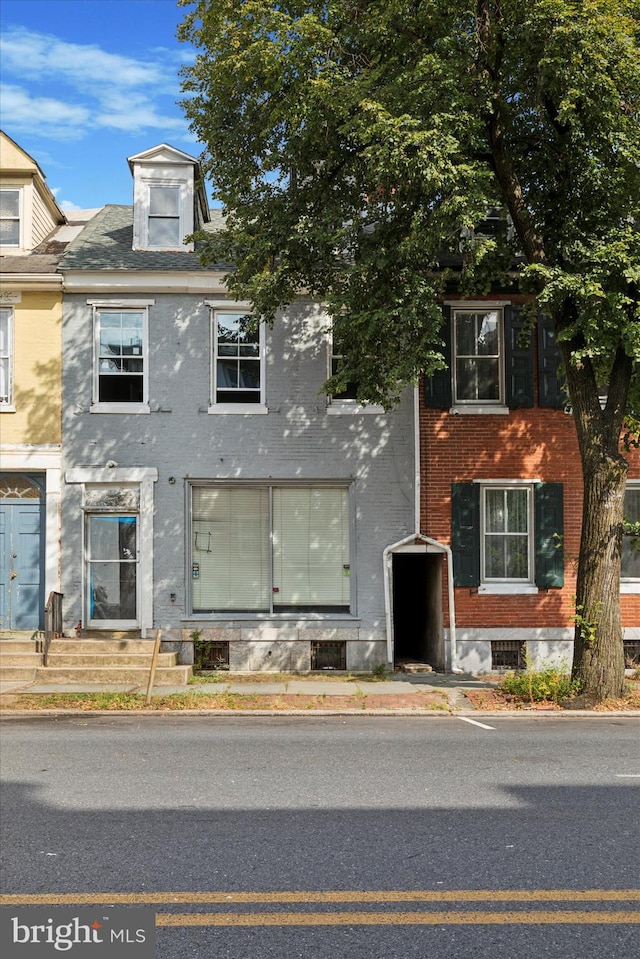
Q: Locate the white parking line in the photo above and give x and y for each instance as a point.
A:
(627, 775)
(475, 723)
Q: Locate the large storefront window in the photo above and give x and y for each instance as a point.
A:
(270, 549)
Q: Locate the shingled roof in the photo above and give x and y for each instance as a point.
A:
(106, 244)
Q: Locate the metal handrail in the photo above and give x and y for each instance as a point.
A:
(52, 621)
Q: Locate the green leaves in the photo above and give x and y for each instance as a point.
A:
(351, 142)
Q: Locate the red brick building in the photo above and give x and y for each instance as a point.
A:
(501, 499)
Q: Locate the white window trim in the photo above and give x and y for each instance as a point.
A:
(508, 586)
(104, 306)
(144, 477)
(348, 615)
(182, 224)
(627, 584)
(8, 405)
(479, 406)
(214, 407)
(20, 245)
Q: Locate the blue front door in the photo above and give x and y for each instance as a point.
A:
(21, 564)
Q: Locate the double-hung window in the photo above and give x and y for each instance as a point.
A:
(630, 574)
(270, 549)
(10, 218)
(507, 535)
(478, 356)
(238, 350)
(164, 223)
(6, 356)
(506, 544)
(490, 356)
(121, 359)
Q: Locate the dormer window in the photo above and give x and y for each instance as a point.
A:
(10, 218)
(164, 217)
(169, 202)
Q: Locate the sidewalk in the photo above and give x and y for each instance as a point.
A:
(424, 694)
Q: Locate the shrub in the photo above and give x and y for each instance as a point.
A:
(550, 684)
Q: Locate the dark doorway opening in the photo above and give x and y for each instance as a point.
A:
(417, 608)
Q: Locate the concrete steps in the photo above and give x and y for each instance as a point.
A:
(19, 659)
(78, 662)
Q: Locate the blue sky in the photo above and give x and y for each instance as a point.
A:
(87, 83)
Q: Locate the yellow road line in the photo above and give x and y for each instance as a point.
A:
(394, 918)
(319, 896)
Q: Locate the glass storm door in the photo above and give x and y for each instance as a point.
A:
(112, 543)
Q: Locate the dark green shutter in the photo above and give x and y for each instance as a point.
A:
(518, 360)
(551, 383)
(549, 535)
(465, 533)
(437, 387)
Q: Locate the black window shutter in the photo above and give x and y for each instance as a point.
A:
(549, 521)
(518, 360)
(437, 387)
(465, 533)
(551, 384)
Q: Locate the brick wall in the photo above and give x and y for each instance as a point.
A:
(525, 444)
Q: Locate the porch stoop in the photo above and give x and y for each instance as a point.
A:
(107, 662)
(20, 658)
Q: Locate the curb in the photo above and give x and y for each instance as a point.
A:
(315, 713)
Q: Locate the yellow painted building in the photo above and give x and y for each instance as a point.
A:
(31, 242)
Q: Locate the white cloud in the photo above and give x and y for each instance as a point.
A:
(78, 64)
(22, 112)
(94, 88)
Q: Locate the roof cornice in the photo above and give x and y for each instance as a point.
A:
(20, 282)
(116, 281)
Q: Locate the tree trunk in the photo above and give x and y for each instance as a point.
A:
(598, 661)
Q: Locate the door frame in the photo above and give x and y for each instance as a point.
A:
(419, 543)
(36, 481)
(140, 479)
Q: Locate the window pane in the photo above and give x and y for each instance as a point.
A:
(517, 510)
(9, 232)
(487, 343)
(9, 204)
(631, 544)
(465, 334)
(164, 201)
(487, 379)
(164, 232)
(494, 510)
(230, 549)
(311, 547)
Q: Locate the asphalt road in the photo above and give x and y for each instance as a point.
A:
(363, 838)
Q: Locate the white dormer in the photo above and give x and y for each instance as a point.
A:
(28, 210)
(169, 202)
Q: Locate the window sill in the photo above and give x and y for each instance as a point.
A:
(342, 408)
(464, 410)
(630, 587)
(265, 617)
(508, 589)
(7, 408)
(245, 408)
(132, 408)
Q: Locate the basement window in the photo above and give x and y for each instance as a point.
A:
(326, 654)
(508, 654)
